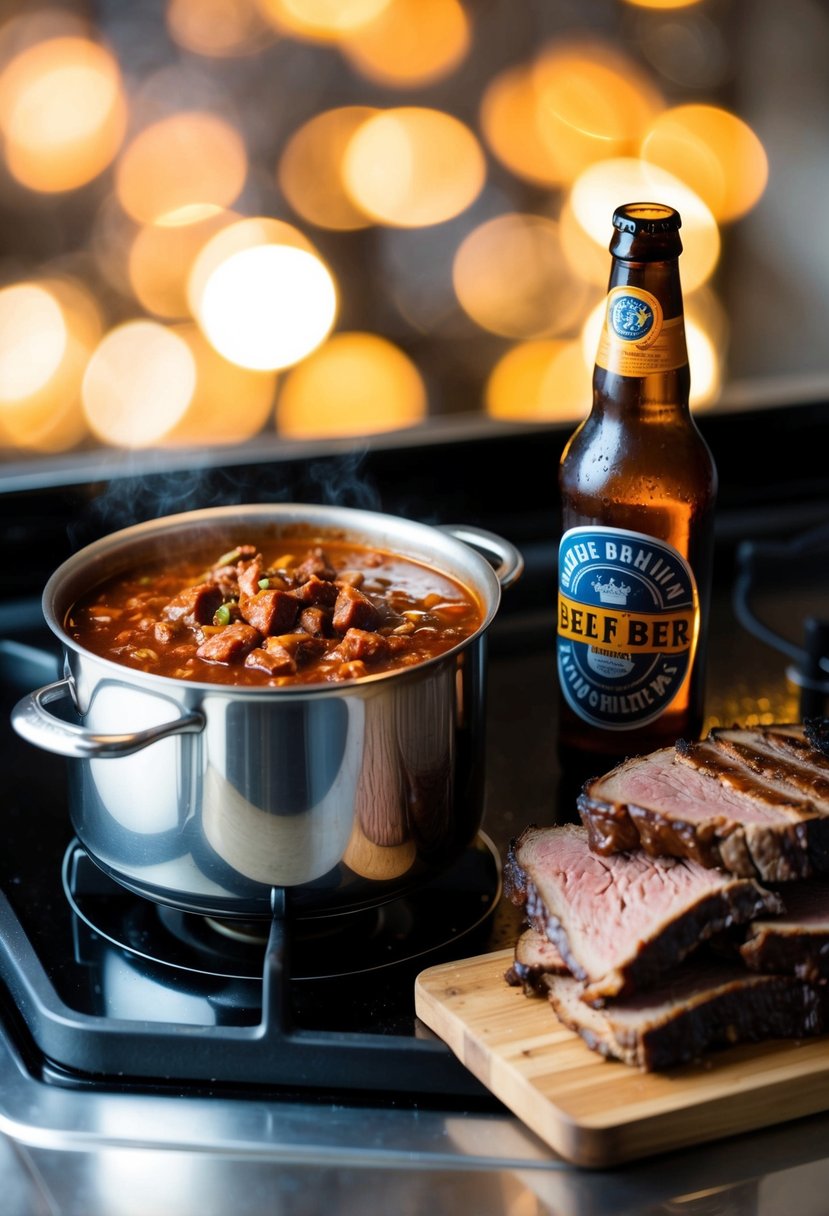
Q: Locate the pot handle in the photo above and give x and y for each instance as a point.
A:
(36, 724)
(510, 562)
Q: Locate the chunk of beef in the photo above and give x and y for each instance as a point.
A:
(674, 808)
(269, 611)
(314, 563)
(797, 942)
(194, 605)
(353, 610)
(224, 573)
(275, 660)
(535, 956)
(166, 632)
(302, 647)
(365, 645)
(249, 575)
(315, 621)
(229, 644)
(620, 921)
(697, 1009)
(317, 591)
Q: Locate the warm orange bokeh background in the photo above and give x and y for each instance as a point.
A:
(312, 218)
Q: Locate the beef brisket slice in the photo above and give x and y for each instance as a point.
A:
(535, 956)
(674, 807)
(701, 1009)
(779, 757)
(738, 760)
(796, 943)
(620, 921)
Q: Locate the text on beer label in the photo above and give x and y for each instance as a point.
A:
(628, 622)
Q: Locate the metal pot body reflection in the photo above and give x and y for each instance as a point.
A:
(206, 797)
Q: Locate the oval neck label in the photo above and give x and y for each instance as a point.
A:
(628, 623)
(636, 338)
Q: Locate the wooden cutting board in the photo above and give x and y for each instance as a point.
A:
(595, 1112)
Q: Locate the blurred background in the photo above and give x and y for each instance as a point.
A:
(263, 224)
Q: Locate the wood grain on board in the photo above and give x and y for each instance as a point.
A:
(595, 1112)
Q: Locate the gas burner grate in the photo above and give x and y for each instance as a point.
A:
(184, 1014)
(407, 929)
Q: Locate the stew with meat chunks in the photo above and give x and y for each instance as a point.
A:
(304, 613)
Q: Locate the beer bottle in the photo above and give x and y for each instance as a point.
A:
(638, 487)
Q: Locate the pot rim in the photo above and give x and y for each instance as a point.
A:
(348, 523)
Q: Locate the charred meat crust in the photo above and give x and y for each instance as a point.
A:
(665, 1032)
(771, 854)
(535, 957)
(758, 824)
(769, 952)
(796, 943)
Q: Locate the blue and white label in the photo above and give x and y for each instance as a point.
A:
(628, 623)
(631, 317)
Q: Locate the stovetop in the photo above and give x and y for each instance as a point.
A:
(106, 988)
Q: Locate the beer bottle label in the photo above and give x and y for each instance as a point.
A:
(636, 338)
(628, 622)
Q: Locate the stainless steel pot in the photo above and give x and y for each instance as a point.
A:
(206, 797)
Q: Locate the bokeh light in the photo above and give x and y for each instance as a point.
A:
(182, 160)
(161, 259)
(32, 339)
(264, 306)
(320, 20)
(410, 43)
(413, 166)
(511, 277)
(357, 199)
(510, 123)
(542, 381)
(662, 4)
(714, 152)
(229, 404)
(310, 170)
(138, 384)
(356, 384)
(594, 103)
(218, 27)
(40, 380)
(62, 113)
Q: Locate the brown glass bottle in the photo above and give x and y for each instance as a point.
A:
(638, 488)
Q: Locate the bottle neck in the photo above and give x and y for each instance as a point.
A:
(642, 358)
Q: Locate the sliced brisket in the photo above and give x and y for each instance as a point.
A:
(782, 756)
(700, 1009)
(696, 801)
(535, 956)
(796, 943)
(620, 921)
(739, 760)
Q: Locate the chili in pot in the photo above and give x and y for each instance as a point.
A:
(276, 612)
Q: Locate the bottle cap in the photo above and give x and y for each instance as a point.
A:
(646, 232)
